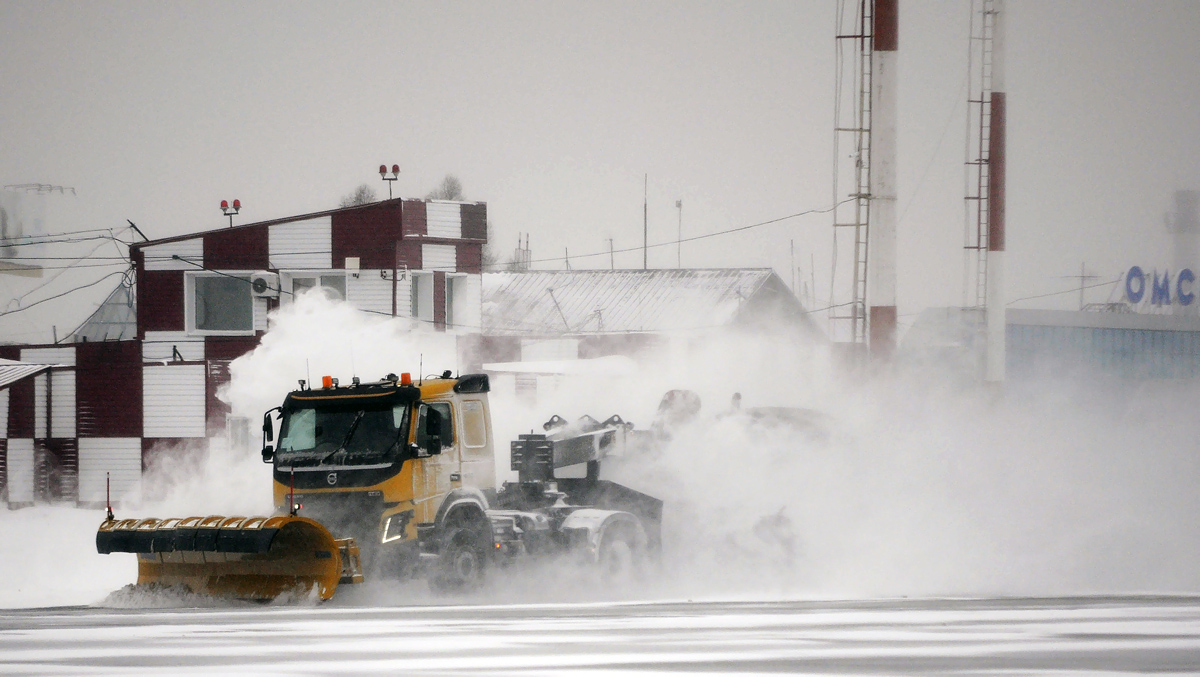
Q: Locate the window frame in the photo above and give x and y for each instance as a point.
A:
(287, 278)
(189, 303)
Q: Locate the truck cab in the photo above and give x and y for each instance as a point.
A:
(374, 460)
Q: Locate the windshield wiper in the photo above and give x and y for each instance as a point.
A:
(345, 440)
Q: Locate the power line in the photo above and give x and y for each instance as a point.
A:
(64, 234)
(822, 210)
(1067, 291)
(10, 242)
(62, 270)
(69, 291)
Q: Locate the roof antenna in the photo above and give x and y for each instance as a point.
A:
(308, 372)
(108, 496)
(420, 368)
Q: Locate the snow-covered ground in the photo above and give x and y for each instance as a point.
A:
(1014, 636)
(49, 558)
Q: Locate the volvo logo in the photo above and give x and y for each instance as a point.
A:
(331, 478)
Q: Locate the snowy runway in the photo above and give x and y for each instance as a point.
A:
(1034, 636)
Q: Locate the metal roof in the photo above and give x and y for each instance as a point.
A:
(553, 302)
(114, 320)
(12, 371)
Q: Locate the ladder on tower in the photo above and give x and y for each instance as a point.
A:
(979, 118)
(854, 216)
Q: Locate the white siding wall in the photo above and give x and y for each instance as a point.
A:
(370, 291)
(39, 406)
(60, 356)
(467, 300)
(158, 257)
(260, 313)
(20, 471)
(439, 257)
(403, 295)
(62, 412)
(157, 346)
(173, 401)
(121, 457)
(443, 219)
(4, 414)
(301, 245)
(64, 391)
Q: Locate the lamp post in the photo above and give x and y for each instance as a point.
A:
(230, 211)
(679, 240)
(395, 175)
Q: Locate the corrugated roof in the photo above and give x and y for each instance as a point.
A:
(114, 320)
(12, 371)
(615, 301)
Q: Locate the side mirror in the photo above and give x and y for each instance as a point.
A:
(268, 450)
(433, 431)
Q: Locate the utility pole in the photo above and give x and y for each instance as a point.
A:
(645, 219)
(792, 245)
(612, 262)
(1083, 278)
(679, 240)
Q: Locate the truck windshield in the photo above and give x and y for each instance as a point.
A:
(339, 436)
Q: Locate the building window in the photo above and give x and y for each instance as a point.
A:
(334, 284)
(220, 304)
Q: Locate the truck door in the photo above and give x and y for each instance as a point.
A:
(435, 475)
(474, 447)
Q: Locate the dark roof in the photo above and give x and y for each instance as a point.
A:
(289, 219)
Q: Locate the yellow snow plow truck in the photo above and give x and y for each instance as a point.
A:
(390, 479)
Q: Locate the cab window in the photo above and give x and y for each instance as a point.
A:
(447, 430)
(474, 424)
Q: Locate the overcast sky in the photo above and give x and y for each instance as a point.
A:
(553, 112)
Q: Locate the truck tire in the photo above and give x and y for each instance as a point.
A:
(618, 558)
(462, 560)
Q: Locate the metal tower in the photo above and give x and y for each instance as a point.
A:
(871, 216)
(977, 176)
(851, 165)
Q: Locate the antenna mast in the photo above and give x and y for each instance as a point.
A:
(851, 165)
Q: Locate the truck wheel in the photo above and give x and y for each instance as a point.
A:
(462, 560)
(617, 558)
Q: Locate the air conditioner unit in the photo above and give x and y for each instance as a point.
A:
(265, 284)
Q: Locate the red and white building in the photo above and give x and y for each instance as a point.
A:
(125, 388)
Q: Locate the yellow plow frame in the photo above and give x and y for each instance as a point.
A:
(242, 557)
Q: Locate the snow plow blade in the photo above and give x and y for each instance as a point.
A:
(241, 557)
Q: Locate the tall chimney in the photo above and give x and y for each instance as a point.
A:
(881, 242)
(1185, 245)
(994, 363)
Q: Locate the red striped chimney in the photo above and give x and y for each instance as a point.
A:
(995, 315)
(881, 244)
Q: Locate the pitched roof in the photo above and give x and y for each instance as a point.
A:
(551, 302)
(114, 320)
